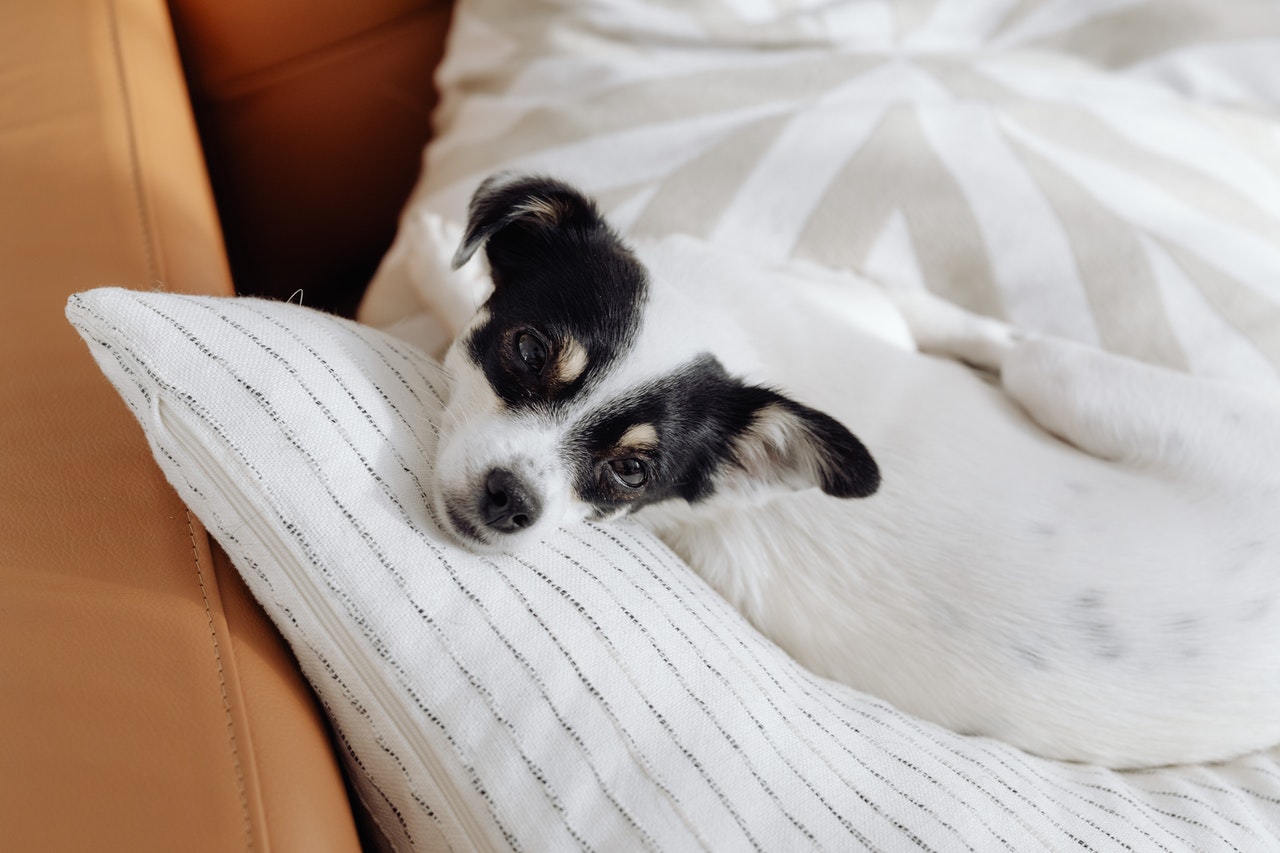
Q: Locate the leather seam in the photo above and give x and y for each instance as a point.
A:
(222, 687)
(131, 142)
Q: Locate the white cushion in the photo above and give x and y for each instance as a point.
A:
(1103, 171)
(592, 693)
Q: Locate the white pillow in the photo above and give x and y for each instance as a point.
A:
(592, 693)
(1103, 171)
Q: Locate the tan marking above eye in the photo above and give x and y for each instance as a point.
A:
(640, 436)
(571, 361)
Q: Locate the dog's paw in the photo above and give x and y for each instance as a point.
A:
(945, 329)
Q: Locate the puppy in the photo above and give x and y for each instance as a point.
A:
(1077, 554)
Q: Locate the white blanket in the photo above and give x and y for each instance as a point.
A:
(1103, 170)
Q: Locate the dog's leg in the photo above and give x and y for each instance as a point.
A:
(1123, 410)
(1110, 406)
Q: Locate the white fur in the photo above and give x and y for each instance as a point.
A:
(1083, 561)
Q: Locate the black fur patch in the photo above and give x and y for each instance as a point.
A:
(700, 415)
(559, 272)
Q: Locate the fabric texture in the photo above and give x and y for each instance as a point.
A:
(591, 694)
(1102, 170)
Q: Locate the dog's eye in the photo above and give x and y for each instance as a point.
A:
(533, 352)
(629, 472)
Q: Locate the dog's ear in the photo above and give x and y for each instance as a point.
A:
(526, 208)
(791, 445)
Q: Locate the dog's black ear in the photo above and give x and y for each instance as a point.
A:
(532, 206)
(789, 444)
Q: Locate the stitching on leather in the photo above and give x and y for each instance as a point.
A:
(131, 140)
(222, 686)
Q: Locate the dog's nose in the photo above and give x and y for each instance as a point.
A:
(507, 505)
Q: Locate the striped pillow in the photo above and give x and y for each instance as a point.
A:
(1100, 170)
(593, 693)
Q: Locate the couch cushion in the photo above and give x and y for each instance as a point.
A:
(147, 703)
(313, 117)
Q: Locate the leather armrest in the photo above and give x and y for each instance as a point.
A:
(145, 701)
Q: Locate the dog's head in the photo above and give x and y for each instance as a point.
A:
(573, 399)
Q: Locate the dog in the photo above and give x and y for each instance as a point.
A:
(1012, 536)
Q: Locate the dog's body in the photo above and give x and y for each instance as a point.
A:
(1111, 594)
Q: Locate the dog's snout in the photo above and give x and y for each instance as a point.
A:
(507, 505)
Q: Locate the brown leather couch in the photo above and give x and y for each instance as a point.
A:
(145, 701)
